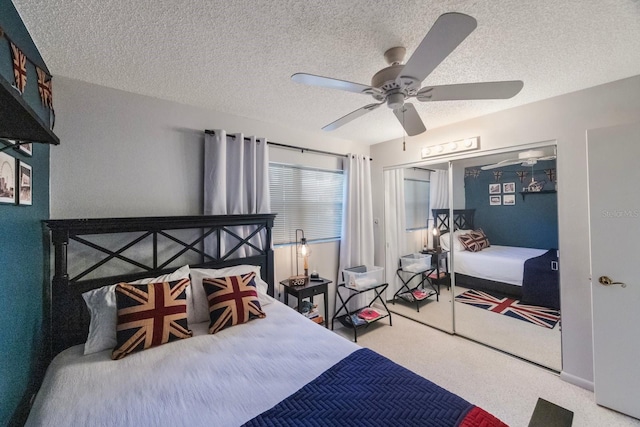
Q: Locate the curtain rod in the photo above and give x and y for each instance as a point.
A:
(291, 147)
(423, 169)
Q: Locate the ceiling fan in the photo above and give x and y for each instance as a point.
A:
(526, 158)
(399, 82)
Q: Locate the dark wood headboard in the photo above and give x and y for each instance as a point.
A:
(462, 219)
(87, 253)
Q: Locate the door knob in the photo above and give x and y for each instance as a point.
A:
(606, 281)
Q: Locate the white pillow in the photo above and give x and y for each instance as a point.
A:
(101, 303)
(457, 246)
(200, 303)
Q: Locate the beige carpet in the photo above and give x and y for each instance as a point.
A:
(503, 385)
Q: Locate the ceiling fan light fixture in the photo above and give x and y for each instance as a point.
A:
(395, 100)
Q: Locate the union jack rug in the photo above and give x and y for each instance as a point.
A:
(541, 316)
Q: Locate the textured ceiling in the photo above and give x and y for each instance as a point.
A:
(237, 56)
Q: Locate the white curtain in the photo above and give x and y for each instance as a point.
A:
(236, 181)
(438, 195)
(356, 240)
(395, 226)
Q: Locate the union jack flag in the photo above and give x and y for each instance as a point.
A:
(522, 175)
(150, 315)
(471, 173)
(551, 174)
(44, 87)
(232, 300)
(19, 67)
(541, 316)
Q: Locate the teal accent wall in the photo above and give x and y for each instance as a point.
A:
(530, 223)
(22, 254)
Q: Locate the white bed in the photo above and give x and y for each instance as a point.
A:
(498, 263)
(238, 388)
(245, 372)
(501, 269)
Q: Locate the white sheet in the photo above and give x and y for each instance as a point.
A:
(500, 263)
(224, 379)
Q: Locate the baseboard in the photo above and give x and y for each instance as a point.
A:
(580, 382)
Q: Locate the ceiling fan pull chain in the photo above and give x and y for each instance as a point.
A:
(404, 134)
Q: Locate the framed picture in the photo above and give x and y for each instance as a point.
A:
(26, 148)
(494, 188)
(509, 187)
(7, 178)
(25, 192)
(495, 200)
(509, 199)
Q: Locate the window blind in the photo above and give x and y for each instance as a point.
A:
(305, 198)
(416, 199)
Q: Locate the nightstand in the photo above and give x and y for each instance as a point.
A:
(440, 276)
(311, 289)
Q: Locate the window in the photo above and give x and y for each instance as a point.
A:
(416, 200)
(306, 198)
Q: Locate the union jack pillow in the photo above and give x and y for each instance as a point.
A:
(474, 241)
(232, 300)
(150, 315)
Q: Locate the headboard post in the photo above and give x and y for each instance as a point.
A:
(59, 287)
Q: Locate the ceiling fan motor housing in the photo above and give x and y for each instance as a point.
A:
(385, 79)
(395, 100)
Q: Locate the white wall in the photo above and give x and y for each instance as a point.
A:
(123, 154)
(565, 119)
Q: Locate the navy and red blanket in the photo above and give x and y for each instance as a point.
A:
(367, 389)
(541, 281)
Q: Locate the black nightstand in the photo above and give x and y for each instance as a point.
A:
(312, 288)
(439, 277)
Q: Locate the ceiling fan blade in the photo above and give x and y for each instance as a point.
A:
(313, 80)
(351, 116)
(464, 91)
(410, 119)
(449, 30)
(502, 164)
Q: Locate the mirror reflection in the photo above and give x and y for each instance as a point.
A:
(488, 269)
(417, 271)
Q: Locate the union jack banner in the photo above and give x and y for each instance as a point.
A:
(232, 300)
(497, 175)
(471, 173)
(150, 315)
(19, 67)
(541, 316)
(44, 87)
(522, 175)
(551, 174)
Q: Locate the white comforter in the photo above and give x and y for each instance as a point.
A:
(224, 379)
(499, 263)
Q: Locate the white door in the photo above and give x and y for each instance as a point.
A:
(614, 214)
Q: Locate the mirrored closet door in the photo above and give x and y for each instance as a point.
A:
(411, 264)
(499, 241)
